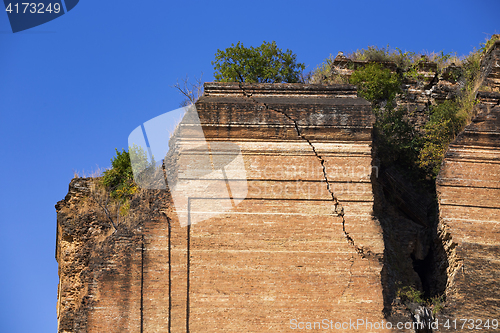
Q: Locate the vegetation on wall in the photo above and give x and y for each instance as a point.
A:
(449, 118)
(444, 124)
(398, 141)
(404, 59)
(264, 64)
(419, 151)
(377, 84)
(407, 63)
(408, 294)
(119, 180)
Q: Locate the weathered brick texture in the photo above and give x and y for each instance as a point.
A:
(469, 189)
(284, 252)
(281, 254)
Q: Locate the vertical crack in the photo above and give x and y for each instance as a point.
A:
(142, 284)
(169, 256)
(350, 279)
(169, 276)
(188, 264)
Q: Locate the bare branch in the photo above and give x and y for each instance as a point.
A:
(103, 204)
(191, 91)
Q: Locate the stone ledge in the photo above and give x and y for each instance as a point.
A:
(488, 98)
(233, 89)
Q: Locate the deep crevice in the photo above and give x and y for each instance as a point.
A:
(423, 268)
(425, 265)
(414, 255)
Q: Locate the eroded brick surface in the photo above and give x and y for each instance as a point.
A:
(281, 254)
(469, 189)
(284, 252)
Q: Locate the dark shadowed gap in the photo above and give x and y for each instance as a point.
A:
(413, 254)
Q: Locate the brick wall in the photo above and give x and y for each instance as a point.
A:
(281, 254)
(469, 188)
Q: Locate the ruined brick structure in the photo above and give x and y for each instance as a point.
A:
(310, 240)
(469, 192)
(281, 254)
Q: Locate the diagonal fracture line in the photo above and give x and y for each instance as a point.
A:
(339, 209)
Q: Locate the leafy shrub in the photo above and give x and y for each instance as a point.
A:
(398, 141)
(376, 83)
(124, 209)
(437, 303)
(147, 172)
(410, 294)
(139, 158)
(119, 179)
(264, 64)
(444, 124)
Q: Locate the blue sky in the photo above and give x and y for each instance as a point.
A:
(73, 89)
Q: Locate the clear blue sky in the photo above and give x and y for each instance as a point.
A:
(73, 89)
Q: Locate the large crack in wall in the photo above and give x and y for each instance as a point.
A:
(219, 112)
(425, 264)
(413, 254)
(442, 262)
(338, 207)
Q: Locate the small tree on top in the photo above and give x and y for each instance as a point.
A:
(264, 64)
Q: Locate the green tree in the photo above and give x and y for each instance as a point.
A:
(264, 64)
(120, 179)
